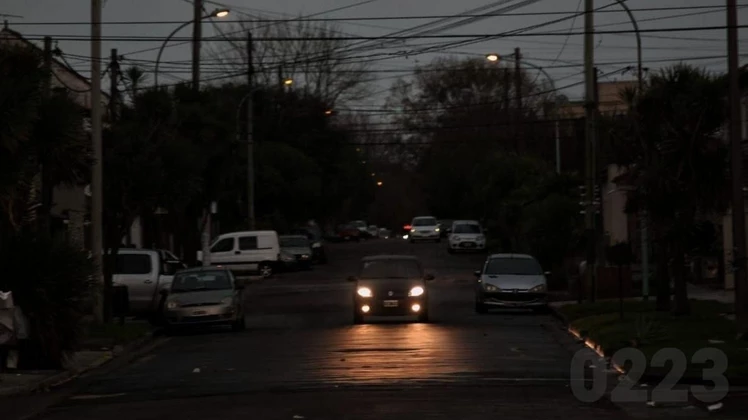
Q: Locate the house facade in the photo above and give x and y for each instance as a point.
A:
(70, 204)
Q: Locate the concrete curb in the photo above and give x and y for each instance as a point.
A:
(66, 376)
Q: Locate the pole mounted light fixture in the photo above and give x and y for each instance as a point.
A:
(220, 13)
(288, 81)
(493, 57)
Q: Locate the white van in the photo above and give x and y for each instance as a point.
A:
(246, 252)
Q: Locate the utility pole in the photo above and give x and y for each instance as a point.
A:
(197, 34)
(518, 98)
(558, 145)
(43, 213)
(736, 149)
(250, 139)
(113, 93)
(589, 114)
(97, 178)
(507, 87)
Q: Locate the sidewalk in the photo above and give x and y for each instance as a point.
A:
(94, 352)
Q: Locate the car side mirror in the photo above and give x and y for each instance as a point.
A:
(477, 273)
(352, 278)
(428, 277)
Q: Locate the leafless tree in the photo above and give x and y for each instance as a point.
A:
(316, 58)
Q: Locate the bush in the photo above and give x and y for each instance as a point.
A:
(52, 282)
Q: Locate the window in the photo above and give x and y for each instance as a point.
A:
(515, 266)
(247, 243)
(133, 264)
(224, 245)
(425, 221)
(294, 242)
(391, 269)
(466, 228)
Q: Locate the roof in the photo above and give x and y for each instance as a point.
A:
(517, 256)
(58, 62)
(390, 257)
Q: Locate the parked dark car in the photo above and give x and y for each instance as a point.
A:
(315, 236)
(390, 285)
(349, 233)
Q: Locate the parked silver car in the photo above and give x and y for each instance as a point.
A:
(511, 281)
(205, 296)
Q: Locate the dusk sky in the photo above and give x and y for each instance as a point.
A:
(559, 54)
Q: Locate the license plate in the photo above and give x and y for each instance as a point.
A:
(391, 303)
(468, 244)
(196, 313)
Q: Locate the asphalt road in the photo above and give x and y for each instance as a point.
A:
(302, 358)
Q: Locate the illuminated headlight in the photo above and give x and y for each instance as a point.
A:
(491, 288)
(228, 300)
(416, 291)
(436, 230)
(538, 289)
(412, 230)
(172, 304)
(305, 257)
(364, 292)
(316, 245)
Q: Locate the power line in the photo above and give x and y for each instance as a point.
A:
(366, 18)
(476, 36)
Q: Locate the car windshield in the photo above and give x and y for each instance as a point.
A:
(391, 269)
(466, 228)
(425, 221)
(515, 266)
(133, 264)
(197, 281)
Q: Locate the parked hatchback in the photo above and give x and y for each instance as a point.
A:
(511, 281)
(205, 296)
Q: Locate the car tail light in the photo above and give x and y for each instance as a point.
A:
(407, 227)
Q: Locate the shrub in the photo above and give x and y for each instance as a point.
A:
(52, 281)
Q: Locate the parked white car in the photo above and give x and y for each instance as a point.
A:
(466, 235)
(145, 272)
(252, 252)
(511, 281)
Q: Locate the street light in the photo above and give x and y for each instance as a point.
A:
(379, 183)
(288, 81)
(492, 57)
(215, 13)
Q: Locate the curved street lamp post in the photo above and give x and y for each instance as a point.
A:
(216, 13)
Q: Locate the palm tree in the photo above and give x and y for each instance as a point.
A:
(671, 146)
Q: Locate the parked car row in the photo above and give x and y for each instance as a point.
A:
(358, 230)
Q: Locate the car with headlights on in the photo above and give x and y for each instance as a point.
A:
(511, 281)
(466, 235)
(205, 296)
(424, 228)
(390, 285)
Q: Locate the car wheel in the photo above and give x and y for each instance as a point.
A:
(423, 317)
(266, 270)
(240, 324)
(480, 307)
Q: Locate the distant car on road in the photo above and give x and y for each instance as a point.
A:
(205, 296)
(298, 246)
(467, 235)
(390, 285)
(349, 233)
(424, 228)
(362, 227)
(511, 281)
